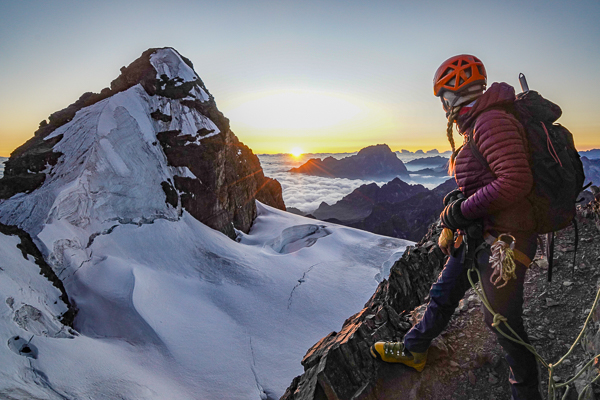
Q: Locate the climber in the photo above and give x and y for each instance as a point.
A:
(489, 204)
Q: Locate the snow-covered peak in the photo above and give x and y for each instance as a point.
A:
(168, 62)
(168, 307)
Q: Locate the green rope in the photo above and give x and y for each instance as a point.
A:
(500, 319)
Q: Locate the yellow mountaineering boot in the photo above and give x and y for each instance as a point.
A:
(394, 352)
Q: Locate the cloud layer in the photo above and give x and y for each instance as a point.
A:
(306, 192)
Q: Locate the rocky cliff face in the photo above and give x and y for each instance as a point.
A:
(373, 162)
(340, 366)
(216, 177)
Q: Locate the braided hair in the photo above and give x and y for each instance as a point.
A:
(452, 114)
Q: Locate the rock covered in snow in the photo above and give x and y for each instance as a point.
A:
(34, 299)
(157, 105)
(27, 316)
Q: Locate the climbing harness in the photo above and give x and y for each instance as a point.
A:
(499, 320)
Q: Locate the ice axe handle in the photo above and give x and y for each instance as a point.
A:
(523, 82)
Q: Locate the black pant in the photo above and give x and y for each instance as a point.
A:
(450, 288)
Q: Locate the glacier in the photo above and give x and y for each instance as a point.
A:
(168, 307)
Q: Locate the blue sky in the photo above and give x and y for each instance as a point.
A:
(275, 66)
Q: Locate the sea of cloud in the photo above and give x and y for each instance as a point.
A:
(306, 192)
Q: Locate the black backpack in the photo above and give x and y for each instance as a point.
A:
(558, 175)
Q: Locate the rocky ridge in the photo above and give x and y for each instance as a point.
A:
(395, 209)
(465, 362)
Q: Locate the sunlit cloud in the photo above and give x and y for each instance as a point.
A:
(306, 192)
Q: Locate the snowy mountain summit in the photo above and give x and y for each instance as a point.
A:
(118, 275)
(157, 127)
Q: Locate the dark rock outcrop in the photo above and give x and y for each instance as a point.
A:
(28, 248)
(592, 208)
(373, 162)
(229, 175)
(340, 366)
(229, 178)
(359, 204)
(396, 209)
(408, 219)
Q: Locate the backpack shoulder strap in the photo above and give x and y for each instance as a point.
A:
(476, 152)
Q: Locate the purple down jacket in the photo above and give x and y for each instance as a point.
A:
(499, 197)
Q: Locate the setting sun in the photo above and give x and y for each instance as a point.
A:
(296, 152)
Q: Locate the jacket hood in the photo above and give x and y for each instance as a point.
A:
(499, 94)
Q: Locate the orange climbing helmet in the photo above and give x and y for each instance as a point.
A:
(457, 73)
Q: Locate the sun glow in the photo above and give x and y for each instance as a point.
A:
(276, 121)
(295, 110)
(296, 152)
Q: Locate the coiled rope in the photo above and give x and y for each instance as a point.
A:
(502, 260)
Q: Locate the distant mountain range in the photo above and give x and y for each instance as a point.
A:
(395, 209)
(431, 166)
(593, 154)
(592, 170)
(401, 210)
(377, 162)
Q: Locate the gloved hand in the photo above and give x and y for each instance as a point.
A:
(453, 196)
(452, 216)
(446, 241)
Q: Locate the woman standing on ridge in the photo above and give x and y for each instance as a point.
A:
(493, 198)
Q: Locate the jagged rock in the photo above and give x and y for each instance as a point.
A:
(396, 209)
(359, 204)
(340, 366)
(226, 177)
(373, 162)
